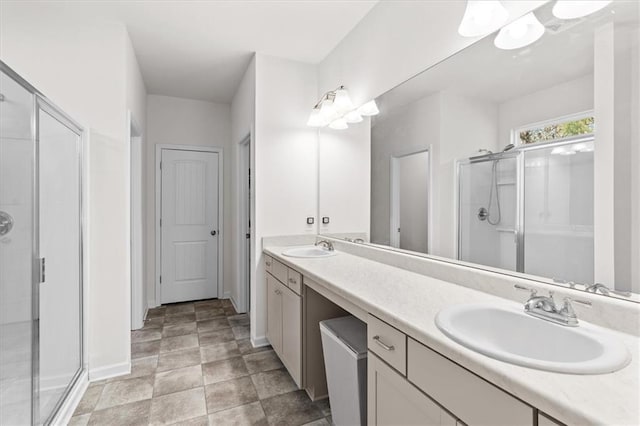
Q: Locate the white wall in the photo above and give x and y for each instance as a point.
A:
(83, 68)
(242, 125)
(178, 121)
(285, 151)
(344, 184)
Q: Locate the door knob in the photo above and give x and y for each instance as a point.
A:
(214, 233)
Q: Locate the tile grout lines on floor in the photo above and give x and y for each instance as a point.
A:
(193, 364)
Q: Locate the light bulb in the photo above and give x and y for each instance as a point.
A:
(339, 124)
(370, 108)
(342, 102)
(328, 111)
(353, 117)
(519, 33)
(482, 17)
(316, 119)
(572, 9)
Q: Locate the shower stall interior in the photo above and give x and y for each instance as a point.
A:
(41, 298)
(530, 209)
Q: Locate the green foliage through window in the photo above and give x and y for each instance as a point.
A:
(551, 132)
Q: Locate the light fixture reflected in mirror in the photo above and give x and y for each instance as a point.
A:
(482, 17)
(519, 33)
(368, 109)
(353, 117)
(572, 9)
(339, 124)
(335, 109)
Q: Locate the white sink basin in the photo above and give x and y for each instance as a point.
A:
(510, 335)
(308, 251)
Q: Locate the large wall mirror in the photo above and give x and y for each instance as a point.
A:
(524, 161)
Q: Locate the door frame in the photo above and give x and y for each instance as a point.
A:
(158, 210)
(394, 194)
(244, 208)
(138, 300)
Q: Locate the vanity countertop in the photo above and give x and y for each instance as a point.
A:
(410, 302)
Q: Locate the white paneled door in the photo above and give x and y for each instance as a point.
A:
(189, 225)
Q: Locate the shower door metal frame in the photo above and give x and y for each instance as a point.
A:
(40, 102)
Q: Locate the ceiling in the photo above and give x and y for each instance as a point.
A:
(485, 72)
(201, 49)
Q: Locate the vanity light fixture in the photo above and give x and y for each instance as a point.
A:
(336, 110)
(519, 33)
(482, 17)
(572, 9)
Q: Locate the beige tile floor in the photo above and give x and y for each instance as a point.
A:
(193, 364)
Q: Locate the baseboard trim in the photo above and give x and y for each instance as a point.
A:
(235, 305)
(71, 402)
(109, 371)
(260, 341)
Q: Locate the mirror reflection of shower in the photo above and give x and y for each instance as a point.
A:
(529, 208)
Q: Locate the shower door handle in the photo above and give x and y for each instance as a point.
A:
(41, 269)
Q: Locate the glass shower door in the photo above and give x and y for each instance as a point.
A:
(487, 211)
(558, 211)
(17, 248)
(60, 296)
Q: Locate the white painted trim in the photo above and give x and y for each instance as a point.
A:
(109, 371)
(158, 208)
(136, 252)
(65, 412)
(86, 250)
(259, 342)
(244, 210)
(394, 186)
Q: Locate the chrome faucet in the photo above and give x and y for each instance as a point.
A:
(603, 289)
(325, 243)
(546, 308)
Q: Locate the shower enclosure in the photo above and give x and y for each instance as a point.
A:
(41, 316)
(530, 209)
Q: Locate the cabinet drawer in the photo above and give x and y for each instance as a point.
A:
(280, 271)
(268, 263)
(294, 281)
(473, 400)
(392, 400)
(388, 343)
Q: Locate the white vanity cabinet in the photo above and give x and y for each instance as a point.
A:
(410, 384)
(284, 318)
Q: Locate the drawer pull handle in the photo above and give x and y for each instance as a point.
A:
(278, 292)
(292, 280)
(268, 263)
(384, 345)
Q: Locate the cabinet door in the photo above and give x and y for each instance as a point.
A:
(292, 334)
(392, 400)
(274, 313)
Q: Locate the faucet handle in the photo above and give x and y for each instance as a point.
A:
(521, 287)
